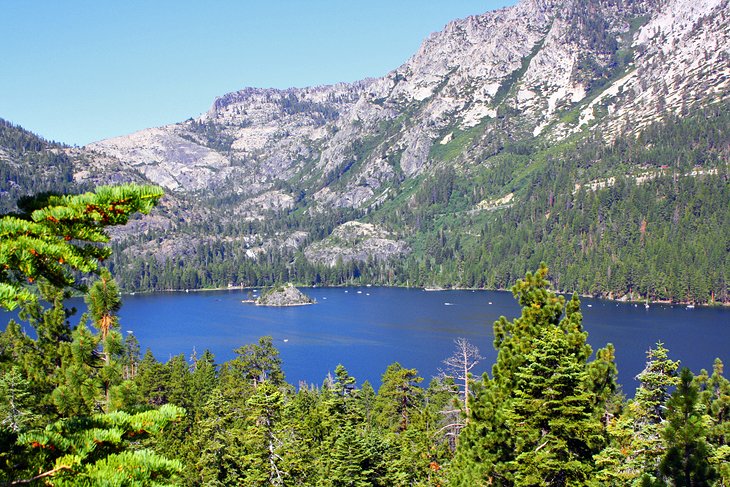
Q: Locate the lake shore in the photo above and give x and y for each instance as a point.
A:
(621, 299)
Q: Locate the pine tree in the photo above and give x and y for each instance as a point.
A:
(40, 359)
(344, 383)
(647, 410)
(256, 363)
(262, 445)
(552, 416)
(55, 235)
(90, 366)
(16, 412)
(351, 460)
(104, 301)
(398, 397)
(686, 462)
(95, 450)
(203, 379)
(636, 445)
(716, 402)
(217, 439)
(79, 392)
(130, 356)
(50, 239)
(365, 404)
(151, 380)
(538, 419)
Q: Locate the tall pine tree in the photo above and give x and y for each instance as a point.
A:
(537, 421)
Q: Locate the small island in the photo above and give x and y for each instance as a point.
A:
(283, 295)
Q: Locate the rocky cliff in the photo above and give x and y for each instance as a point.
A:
(548, 68)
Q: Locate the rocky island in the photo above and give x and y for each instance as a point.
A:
(283, 295)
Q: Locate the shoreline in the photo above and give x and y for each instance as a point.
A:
(621, 299)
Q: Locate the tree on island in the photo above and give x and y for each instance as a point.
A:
(283, 295)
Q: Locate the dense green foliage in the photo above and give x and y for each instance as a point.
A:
(54, 235)
(549, 413)
(63, 393)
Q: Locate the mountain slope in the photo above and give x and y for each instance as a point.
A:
(541, 67)
(500, 125)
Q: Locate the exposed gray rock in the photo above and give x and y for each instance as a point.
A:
(537, 59)
(355, 241)
(543, 68)
(286, 295)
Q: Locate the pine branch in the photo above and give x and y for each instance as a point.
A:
(42, 475)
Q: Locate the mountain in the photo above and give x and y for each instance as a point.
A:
(506, 136)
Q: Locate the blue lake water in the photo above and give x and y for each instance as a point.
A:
(366, 329)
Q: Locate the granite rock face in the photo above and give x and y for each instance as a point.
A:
(541, 68)
(286, 295)
(355, 242)
(532, 61)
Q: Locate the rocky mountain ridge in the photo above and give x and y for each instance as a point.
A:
(515, 72)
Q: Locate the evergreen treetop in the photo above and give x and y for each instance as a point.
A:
(53, 235)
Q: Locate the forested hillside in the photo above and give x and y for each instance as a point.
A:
(647, 215)
(29, 165)
(551, 148)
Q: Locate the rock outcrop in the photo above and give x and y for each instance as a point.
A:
(286, 295)
(356, 242)
(514, 72)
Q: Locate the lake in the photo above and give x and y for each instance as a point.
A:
(368, 328)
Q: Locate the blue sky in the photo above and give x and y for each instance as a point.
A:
(78, 71)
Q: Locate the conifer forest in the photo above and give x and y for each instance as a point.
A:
(84, 406)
